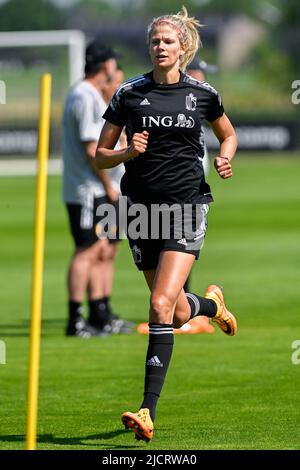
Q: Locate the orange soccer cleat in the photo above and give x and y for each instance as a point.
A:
(223, 318)
(140, 422)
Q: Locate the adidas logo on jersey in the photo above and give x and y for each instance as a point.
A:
(154, 361)
(182, 242)
(144, 102)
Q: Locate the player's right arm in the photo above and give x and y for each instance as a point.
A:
(107, 157)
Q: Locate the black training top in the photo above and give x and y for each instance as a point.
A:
(170, 171)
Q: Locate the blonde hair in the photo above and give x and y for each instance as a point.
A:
(187, 29)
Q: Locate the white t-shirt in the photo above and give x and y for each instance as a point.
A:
(82, 122)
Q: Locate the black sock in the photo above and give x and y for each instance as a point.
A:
(201, 305)
(106, 300)
(161, 340)
(98, 314)
(75, 310)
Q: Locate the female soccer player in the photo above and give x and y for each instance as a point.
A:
(162, 112)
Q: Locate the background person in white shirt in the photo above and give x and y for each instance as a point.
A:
(84, 189)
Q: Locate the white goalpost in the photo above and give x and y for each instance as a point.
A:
(24, 57)
(73, 39)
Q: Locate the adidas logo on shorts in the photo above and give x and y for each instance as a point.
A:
(182, 242)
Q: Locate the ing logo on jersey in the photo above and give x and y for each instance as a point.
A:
(190, 102)
(167, 121)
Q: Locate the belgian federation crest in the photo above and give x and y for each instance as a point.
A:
(190, 102)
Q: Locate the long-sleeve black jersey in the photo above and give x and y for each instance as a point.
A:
(170, 171)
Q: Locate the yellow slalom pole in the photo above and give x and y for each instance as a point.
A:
(38, 262)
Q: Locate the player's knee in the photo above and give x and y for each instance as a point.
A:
(160, 309)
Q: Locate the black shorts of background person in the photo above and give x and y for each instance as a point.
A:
(86, 234)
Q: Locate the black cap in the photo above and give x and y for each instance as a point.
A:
(97, 52)
(198, 64)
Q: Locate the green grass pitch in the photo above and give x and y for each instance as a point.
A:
(221, 392)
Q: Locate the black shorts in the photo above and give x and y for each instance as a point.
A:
(86, 225)
(146, 252)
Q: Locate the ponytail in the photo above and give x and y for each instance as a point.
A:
(193, 40)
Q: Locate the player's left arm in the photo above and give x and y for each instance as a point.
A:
(225, 133)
